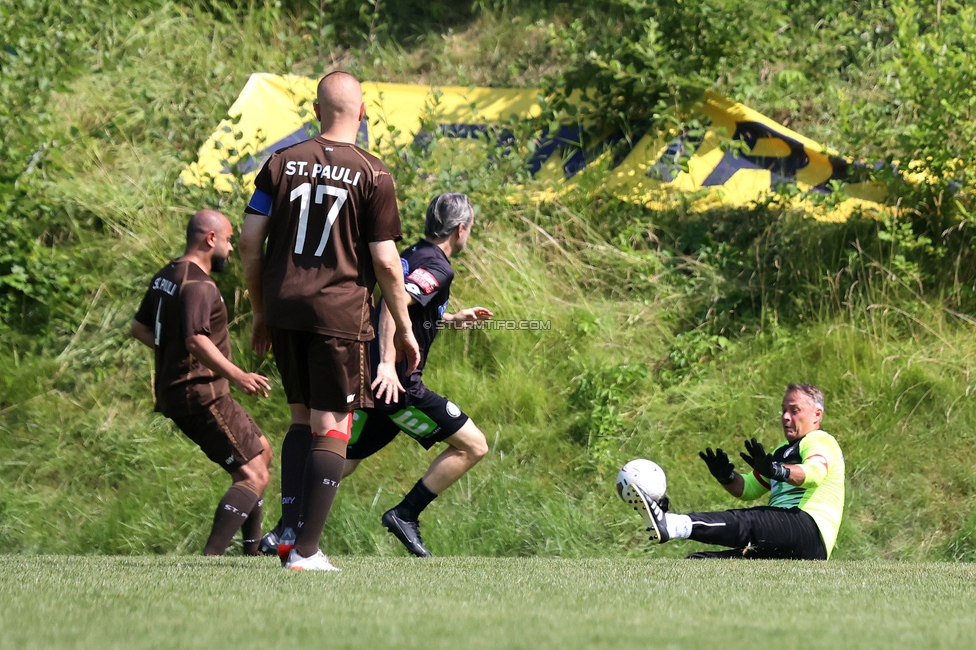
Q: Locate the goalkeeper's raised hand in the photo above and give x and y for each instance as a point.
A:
(763, 463)
(719, 465)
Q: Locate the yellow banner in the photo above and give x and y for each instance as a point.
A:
(274, 111)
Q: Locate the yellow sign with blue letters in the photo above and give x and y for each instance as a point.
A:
(274, 111)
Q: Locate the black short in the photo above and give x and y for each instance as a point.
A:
(222, 429)
(763, 532)
(322, 372)
(425, 416)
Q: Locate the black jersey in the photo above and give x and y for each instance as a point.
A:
(427, 276)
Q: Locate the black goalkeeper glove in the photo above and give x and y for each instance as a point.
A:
(719, 465)
(763, 463)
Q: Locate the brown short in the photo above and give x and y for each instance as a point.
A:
(322, 372)
(222, 429)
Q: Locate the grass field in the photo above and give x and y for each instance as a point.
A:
(181, 602)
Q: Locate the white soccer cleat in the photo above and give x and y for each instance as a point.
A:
(317, 562)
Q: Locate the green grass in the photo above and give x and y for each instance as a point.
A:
(170, 602)
(670, 331)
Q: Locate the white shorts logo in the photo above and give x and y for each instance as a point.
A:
(453, 410)
(350, 398)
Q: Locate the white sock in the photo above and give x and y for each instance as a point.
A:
(679, 526)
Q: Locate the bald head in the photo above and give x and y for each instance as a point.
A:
(202, 224)
(208, 238)
(339, 105)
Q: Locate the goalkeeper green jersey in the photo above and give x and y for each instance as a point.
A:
(822, 494)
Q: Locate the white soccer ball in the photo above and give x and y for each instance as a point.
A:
(645, 474)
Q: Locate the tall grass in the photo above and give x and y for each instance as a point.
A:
(667, 331)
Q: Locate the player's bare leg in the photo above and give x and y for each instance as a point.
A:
(323, 473)
(465, 448)
(249, 482)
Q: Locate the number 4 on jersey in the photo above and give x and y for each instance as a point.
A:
(304, 192)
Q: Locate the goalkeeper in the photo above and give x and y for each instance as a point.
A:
(804, 477)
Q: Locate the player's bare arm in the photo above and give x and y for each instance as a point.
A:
(386, 385)
(469, 315)
(797, 475)
(251, 244)
(737, 486)
(144, 334)
(389, 275)
(204, 350)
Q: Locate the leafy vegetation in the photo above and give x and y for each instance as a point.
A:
(669, 329)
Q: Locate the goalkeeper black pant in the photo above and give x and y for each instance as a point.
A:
(763, 532)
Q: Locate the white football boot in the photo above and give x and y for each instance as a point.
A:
(317, 562)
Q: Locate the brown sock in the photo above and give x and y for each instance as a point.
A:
(230, 515)
(322, 476)
(251, 530)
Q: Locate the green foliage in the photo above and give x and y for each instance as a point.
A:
(353, 23)
(635, 61)
(690, 353)
(35, 279)
(926, 121)
(490, 170)
(32, 70)
(669, 330)
(600, 394)
(936, 86)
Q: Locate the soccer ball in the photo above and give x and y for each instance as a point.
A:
(645, 474)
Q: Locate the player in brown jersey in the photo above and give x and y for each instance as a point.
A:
(183, 318)
(327, 212)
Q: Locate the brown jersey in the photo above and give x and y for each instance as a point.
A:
(183, 301)
(328, 201)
